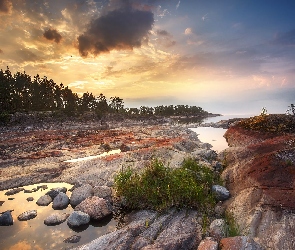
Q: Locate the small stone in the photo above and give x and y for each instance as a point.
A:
(52, 193)
(44, 200)
(78, 218)
(73, 239)
(28, 215)
(221, 193)
(56, 219)
(217, 229)
(6, 219)
(61, 201)
(30, 198)
(14, 191)
(10, 198)
(1, 203)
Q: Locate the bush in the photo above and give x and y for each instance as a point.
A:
(159, 187)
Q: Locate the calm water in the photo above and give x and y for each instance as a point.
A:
(34, 234)
(214, 136)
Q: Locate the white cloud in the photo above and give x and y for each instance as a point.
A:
(188, 31)
(177, 6)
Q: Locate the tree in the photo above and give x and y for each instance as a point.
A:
(116, 104)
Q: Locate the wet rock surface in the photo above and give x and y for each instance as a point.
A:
(78, 218)
(44, 200)
(6, 219)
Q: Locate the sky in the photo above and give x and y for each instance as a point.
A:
(226, 56)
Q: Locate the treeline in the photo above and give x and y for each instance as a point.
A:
(22, 93)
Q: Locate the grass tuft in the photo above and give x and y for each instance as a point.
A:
(159, 187)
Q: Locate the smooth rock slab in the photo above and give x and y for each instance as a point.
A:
(97, 208)
(6, 219)
(56, 219)
(221, 193)
(78, 218)
(28, 215)
(61, 201)
(44, 200)
(81, 193)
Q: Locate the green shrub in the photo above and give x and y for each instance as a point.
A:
(159, 187)
(232, 228)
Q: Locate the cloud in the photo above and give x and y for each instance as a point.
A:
(52, 34)
(165, 38)
(26, 55)
(287, 38)
(178, 4)
(188, 31)
(119, 29)
(5, 6)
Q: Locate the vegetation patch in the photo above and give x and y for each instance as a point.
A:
(270, 123)
(159, 187)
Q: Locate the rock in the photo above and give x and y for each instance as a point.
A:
(219, 209)
(104, 192)
(149, 230)
(78, 218)
(1, 203)
(81, 193)
(56, 219)
(44, 200)
(218, 167)
(6, 219)
(221, 193)
(208, 244)
(60, 189)
(124, 148)
(28, 215)
(30, 198)
(239, 243)
(14, 191)
(217, 229)
(97, 208)
(61, 201)
(73, 239)
(52, 193)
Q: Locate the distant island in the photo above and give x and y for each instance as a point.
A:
(21, 93)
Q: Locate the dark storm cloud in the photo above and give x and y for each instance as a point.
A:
(287, 38)
(5, 6)
(52, 34)
(119, 29)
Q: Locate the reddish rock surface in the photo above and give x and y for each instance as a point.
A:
(260, 174)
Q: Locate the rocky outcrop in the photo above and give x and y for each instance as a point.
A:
(260, 175)
(149, 230)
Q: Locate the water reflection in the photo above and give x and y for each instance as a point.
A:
(34, 234)
(115, 151)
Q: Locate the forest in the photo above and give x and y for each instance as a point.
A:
(20, 92)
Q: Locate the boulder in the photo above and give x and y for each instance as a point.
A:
(239, 243)
(220, 192)
(30, 198)
(52, 193)
(208, 244)
(217, 229)
(6, 219)
(78, 218)
(81, 193)
(61, 201)
(97, 208)
(56, 219)
(28, 215)
(44, 200)
(104, 192)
